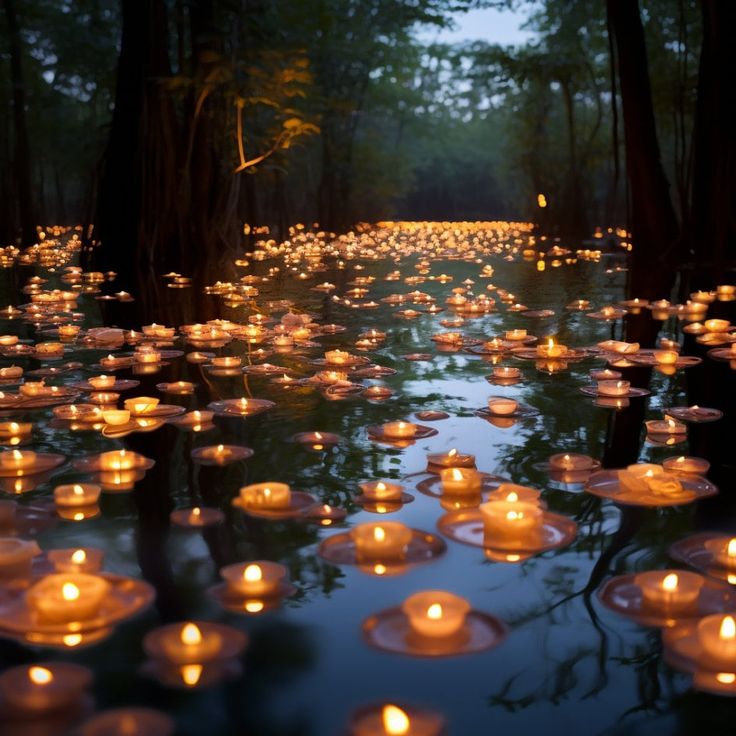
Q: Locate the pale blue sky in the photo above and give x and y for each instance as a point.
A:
(494, 26)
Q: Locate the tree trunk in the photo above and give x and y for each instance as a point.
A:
(712, 239)
(653, 222)
(21, 148)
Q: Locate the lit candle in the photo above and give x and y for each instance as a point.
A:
(511, 493)
(77, 494)
(716, 635)
(337, 357)
(613, 388)
(8, 430)
(141, 405)
(505, 371)
(510, 524)
(257, 579)
(197, 516)
(40, 689)
(399, 430)
(116, 417)
(605, 375)
(102, 382)
(382, 490)
(668, 425)
(571, 461)
(550, 349)
(16, 557)
(267, 495)
(384, 541)
(391, 720)
(227, 361)
(665, 357)
(684, 464)
(669, 592)
(452, 459)
(8, 340)
(17, 459)
(502, 407)
(63, 598)
(717, 325)
(435, 614)
(516, 335)
(11, 371)
(187, 643)
(119, 460)
(75, 560)
(460, 481)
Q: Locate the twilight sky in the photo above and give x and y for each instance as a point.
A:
(494, 26)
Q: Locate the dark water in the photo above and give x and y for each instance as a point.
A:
(568, 665)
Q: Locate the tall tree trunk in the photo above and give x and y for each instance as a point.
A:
(712, 239)
(653, 222)
(21, 148)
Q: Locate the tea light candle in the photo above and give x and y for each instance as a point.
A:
(119, 460)
(102, 382)
(141, 405)
(511, 493)
(613, 388)
(684, 464)
(189, 643)
(502, 407)
(32, 388)
(510, 524)
(571, 461)
(506, 371)
(665, 357)
(11, 371)
(317, 440)
(550, 349)
(723, 551)
(8, 430)
(716, 634)
(385, 541)
(83, 559)
(116, 417)
(177, 387)
(63, 598)
(382, 490)
(451, 459)
(77, 494)
(670, 592)
(717, 325)
(43, 688)
(267, 495)
(668, 425)
(18, 459)
(399, 430)
(605, 375)
(8, 340)
(16, 556)
(435, 614)
(337, 357)
(460, 481)
(377, 392)
(390, 720)
(113, 362)
(259, 579)
(146, 356)
(195, 418)
(198, 516)
(515, 335)
(227, 361)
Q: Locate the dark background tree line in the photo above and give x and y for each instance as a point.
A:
(168, 124)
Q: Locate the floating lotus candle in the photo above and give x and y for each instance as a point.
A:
(382, 490)
(145, 356)
(141, 405)
(49, 349)
(605, 375)
(716, 634)
(228, 361)
(377, 393)
(435, 613)
(119, 460)
(195, 418)
(259, 579)
(111, 362)
(646, 478)
(723, 551)
(391, 720)
(105, 398)
(684, 464)
(571, 461)
(511, 493)
(88, 560)
(116, 417)
(66, 598)
(717, 325)
(670, 592)
(8, 340)
(267, 495)
(502, 407)
(511, 524)
(19, 460)
(385, 541)
(451, 459)
(613, 388)
(180, 388)
(102, 382)
(197, 517)
(43, 688)
(77, 494)
(16, 557)
(399, 430)
(460, 481)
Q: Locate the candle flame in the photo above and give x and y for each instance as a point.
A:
(726, 678)
(77, 490)
(17, 455)
(452, 453)
(513, 497)
(728, 628)
(317, 436)
(69, 592)
(220, 449)
(395, 720)
(457, 474)
(670, 582)
(254, 606)
(379, 534)
(190, 674)
(191, 635)
(380, 486)
(79, 557)
(434, 612)
(40, 675)
(379, 569)
(253, 573)
(72, 640)
(731, 548)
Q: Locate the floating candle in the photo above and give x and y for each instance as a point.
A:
(382, 490)
(102, 381)
(267, 495)
(502, 407)
(460, 481)
(337, 357)
(384, 541)
(11, 372)
(255, 579)
(87, 559)
(8, 430)
(506, 371)
(141, 405)
(723, 551)
(670, 592)
(571, 461)
(63, 598)
(613, 388)
(684, 464)
(42, 688)
(516, 335)
(197, 516)
(189, 642)
(451, 459)
(665, 357)
(550, 349)
(511, 525)
(77, 494)
(20, 460)
(668, 425)
(716, 634)
(391, 720)
(116, 417)
(435, 613)
(399, 430)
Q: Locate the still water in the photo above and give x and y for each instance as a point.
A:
(568, 665)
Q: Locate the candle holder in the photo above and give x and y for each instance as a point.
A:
(194, 642)
(632, 393)
(295, 506)
(176, 388)
(220, 455)
(431, 415)
(138, 721)
(116, 385)
(399, 436)
(665, 358)
(382, 497)
(693, 414)
(377, 393)
(395, 630)
(554, 531)
(252, 587)
(607, 484)
(240, 407)
(451, 459)
(324, 514)
(432, 485)
(502, 406)
(197, 517)
(623, 595)
(194, 421)
(317, 441)
(711, 553)
(688, 466)
(113, 461)
(21, 463)
(341, 549)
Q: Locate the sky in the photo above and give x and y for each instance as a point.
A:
(494, 26)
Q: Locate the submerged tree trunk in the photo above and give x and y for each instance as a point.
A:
(712, 238)
(21, 147)
(653, 222)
